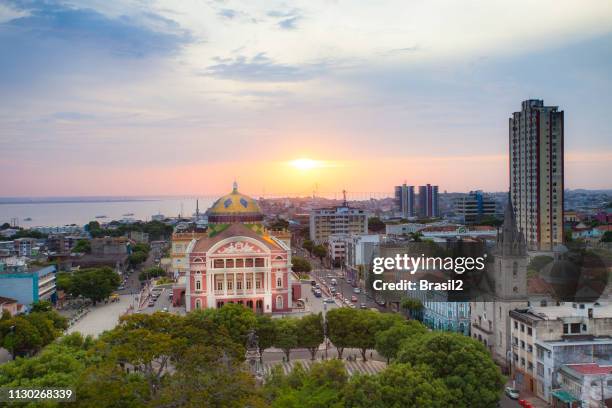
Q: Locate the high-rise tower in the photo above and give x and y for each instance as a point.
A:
(536, 173)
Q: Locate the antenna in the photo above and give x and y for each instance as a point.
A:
(344, 196)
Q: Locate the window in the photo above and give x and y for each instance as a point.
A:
(218, 263)
(515, 269)
(522, 328)
(219, 285)
(230, 285)
(540, 369)
(249, 284)
(279, 302)
(198, 285)
(239, 285)
(516, 324)
(279, 282)
(229, 263)
(248, 263)
(239, 263)
(257, 284)
(522, 344)
(529, 331)
(198, 304)
(259, 262)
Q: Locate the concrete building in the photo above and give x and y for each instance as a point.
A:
(337, 220)
(404, 200)
(588, 384)
(178, 251)
(109, 246)
(27, 285)
(428, 206)
(359, 252)
(24, 246)
(536, 138)
(566, 323)
(336, 248)
(9, 305)
(403, 229)
(473, 207)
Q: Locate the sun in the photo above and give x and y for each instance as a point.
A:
(305, 164)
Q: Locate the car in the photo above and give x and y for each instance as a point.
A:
(121, 287)
(329, 300)
(318, 286)
(352, 306)
(329, 275)
(354, 298)
(334, 282)
(339, 295)
(332, 290)
(381, 303)
(151, 303)
(357, 290)
(511, 393)
(317, 293)
(363, 306)
(165, 309)
(323, 282)
(349, 281)
(313, 283)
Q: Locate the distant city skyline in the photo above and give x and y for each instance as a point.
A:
(290, 97)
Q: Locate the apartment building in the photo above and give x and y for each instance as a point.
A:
(536, 138)
(473, 207)
(428, 206)
(341, 220)
(566, 325)
(404, 201)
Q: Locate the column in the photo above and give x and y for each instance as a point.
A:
(225, 283)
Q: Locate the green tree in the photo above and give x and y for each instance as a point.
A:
(388, 341)
(82, 246)
(237, 319)
(19, 336)
(416, 236)
(398, 386)
(375, 224)
(42, 306)
(340, 326)
(411, 306)
(320, 252)
(136, 258)
(308, 245)
(463, 363)
(286, 335)
(266, 332)
(300, 265)
(491, 220)
(310, 333)
(4, 226)
(152, 272)
(95, 284)
(607, 236)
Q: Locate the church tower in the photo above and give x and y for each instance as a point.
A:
(510, 260)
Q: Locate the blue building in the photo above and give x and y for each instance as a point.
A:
(27, 285)
(440, 314)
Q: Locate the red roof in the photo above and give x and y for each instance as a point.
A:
(591, 368)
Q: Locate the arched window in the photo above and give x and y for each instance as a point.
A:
(198, 285)
(279, 302)
(514, 269)
(198, 304)
(279, 282)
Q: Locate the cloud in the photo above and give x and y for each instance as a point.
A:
(135, 36)
(228, 13)
(288, 19)
(261, 68)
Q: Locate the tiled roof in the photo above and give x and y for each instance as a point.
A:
(590, 368)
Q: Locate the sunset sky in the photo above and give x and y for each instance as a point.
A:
(106, 97)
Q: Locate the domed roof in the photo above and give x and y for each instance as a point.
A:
(235, 207)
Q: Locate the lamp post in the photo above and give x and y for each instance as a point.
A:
(325, 328)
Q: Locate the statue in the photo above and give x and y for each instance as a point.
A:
(253, 356)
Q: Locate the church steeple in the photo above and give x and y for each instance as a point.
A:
(510, 241)
(235, 187)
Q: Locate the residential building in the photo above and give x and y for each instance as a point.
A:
(337, 220)
(403, 229)
(536, 138)
(565, 322)
(404, 200)
(25, 284)
(552, 355)
(9, 305)
(336, 248)
(109, 246)
(473, 207)
(178, 252)
(24, 246)
(360, 250)
(428, 206)
(588, 384)
(139, 237)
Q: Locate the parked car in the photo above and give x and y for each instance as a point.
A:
(151, 303)
(381, 302)
(334, 282)
(328, 300)
(313, 283)
(354, 299)
(357, 290)
(329, 275)
(332, 290)
(317, 293)
(165, 309)
(512, 392)
(363, 306)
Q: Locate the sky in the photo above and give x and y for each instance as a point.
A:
(106, 97)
